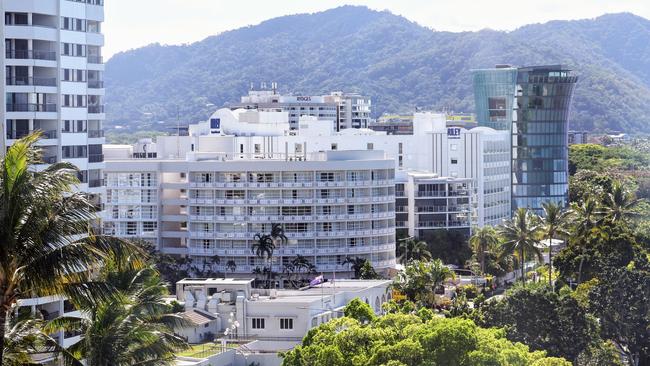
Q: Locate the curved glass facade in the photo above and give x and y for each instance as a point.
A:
(494, 96)
(540, 136)
(533, 103)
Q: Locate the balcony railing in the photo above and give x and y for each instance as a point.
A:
(31, 54)
(20, 134)
(95, 109)
(30, 107)
(28, 80)
(95, 59)
(95, 84)
(93, 134)
(95, 158)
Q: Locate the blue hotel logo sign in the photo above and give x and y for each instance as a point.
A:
(215, 123)
(453, 132)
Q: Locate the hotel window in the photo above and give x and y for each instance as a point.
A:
(258, 149)
(286, 323)
(370, 146)
(131, 228)
(149, 226)
(454, 161)
(327, 177)
(334, 147)
(298, 148)
(74, 75)
(400, 148)
(258, 323)
(400, 161)
(241, 148)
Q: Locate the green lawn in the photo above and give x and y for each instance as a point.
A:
(201, 350)
(204, 350)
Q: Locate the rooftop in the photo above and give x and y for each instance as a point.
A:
(197, 318)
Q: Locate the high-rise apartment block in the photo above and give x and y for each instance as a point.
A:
(532, 103)
(53, 81)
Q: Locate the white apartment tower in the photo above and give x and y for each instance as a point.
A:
(53, 81)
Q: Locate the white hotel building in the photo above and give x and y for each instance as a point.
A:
(337, 194)
(346, 110)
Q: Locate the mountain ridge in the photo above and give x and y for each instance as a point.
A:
(397, 62)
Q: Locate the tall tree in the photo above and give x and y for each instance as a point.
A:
(265, 245)
(554, 226)
(412, 249)
(621, 301)
(620, 204)
(419, 280)
(356, 264)
(521, 236)
(586, 215)
(231, 265)
(483, 241)
(46, 243)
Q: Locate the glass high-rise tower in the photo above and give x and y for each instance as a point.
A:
(533, 103)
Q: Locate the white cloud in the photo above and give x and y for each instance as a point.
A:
(135, 23)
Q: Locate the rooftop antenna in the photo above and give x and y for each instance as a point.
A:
(252, 87)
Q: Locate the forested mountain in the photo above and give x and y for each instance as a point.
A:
(398, 63)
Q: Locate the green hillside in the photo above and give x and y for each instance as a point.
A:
(400, 64)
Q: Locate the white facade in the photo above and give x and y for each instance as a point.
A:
(332, 205)
(53, 81)
(210, 192)
(346, 110)
(269, 314)
(481, 154)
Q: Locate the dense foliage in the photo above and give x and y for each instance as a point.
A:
(542, 319)
(400, 339)
(398, 63)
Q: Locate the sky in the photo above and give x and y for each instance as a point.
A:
(135, 23)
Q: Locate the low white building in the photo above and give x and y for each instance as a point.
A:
(276, 315)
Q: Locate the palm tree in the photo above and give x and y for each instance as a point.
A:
(131, 328)
(585, 216)
(231, 265)
(411, 249)
(25, 340)
(554, 225)
(47, 246)
(482, 242)
(356, 264)
(620, 204)
(419, 280)
(265, 245)
(520, 236)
